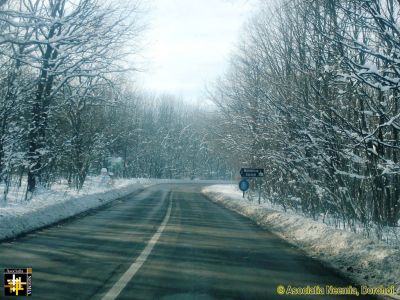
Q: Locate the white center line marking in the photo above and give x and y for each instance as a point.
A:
(135, 266)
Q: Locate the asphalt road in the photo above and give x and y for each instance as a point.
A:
(167, 242)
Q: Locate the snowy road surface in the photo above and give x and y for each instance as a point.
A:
(167, 242)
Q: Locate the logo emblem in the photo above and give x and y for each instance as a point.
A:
(18, 282)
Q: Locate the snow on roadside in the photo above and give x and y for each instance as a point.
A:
(47, 207)
(50, 206)
(368, 262)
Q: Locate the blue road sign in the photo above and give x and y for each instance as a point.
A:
(244, 185)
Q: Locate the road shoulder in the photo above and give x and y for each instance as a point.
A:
(366, 262)
(34, 218)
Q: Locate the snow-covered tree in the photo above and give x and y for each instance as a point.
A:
(312, 96)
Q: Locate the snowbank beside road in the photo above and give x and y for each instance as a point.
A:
(51, 206)
(367, 262)
(47, 207)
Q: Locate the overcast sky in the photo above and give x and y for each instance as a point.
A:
(189, 42)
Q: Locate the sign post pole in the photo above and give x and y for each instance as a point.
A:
(244, 185)
(251, 173)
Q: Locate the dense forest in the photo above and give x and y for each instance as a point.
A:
(68, 105)
(312, 95)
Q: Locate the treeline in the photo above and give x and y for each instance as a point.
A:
(57, 58)
(67, 110)
(162, 137)
(312, 95)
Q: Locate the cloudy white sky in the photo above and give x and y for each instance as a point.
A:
(188, 43)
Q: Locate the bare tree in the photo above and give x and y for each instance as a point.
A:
(312, 96)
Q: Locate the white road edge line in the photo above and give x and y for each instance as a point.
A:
(136, 265)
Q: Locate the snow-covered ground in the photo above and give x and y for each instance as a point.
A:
(366, 261)
(46, 207)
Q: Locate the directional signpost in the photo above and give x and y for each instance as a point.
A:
(247, 172)
(250, 173)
